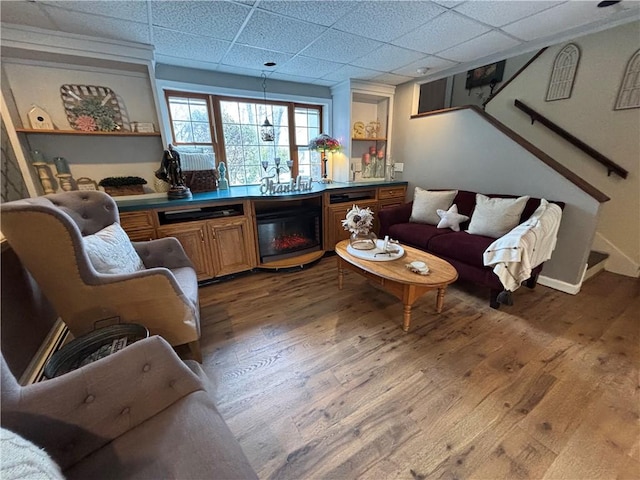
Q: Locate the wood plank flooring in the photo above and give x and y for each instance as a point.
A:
(321, 383)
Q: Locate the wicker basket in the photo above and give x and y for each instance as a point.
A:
(125, 190)
(200, 180)
(93, 346)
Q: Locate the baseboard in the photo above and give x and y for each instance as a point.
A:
(559, 285)
(618, 262)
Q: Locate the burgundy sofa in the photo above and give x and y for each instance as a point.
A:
(463, 250)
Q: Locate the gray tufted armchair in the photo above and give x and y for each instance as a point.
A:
(47, 234)
(140, 413)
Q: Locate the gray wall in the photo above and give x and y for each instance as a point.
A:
(460, 149)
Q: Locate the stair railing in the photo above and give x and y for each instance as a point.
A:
(611, 166)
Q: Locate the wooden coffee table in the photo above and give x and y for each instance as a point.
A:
(395, 278)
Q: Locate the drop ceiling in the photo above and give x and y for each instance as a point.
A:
(325, 42)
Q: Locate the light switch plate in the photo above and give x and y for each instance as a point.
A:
(399, 167)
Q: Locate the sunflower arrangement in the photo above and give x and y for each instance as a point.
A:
(358, 220)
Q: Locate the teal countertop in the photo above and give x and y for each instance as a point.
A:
(132, 203)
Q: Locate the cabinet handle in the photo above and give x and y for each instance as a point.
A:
(201, 236)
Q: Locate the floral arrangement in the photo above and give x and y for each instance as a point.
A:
(91, 115)
(359, 220)
(325, 143)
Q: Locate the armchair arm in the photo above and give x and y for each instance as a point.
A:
(391, 215)
(75, 414)
(164, 252)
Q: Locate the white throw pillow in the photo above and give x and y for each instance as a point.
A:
(110, 251)
(451, 218)
(494, 217)
(21, 459)
(426, 204)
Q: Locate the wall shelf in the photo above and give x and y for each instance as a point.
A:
(79, 132)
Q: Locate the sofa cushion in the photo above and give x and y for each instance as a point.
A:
(426, 204)
(451, 218)
(462, 246)
(494, 217)
(415, 234)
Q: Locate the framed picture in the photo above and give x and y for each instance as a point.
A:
(85, 183)
(485, 75)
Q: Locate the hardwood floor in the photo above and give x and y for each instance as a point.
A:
(320, 383)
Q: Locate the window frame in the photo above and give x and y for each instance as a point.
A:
(216, 124)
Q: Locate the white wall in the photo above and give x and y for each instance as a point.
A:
(589, 115)
(460, 149)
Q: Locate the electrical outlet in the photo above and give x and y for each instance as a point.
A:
(399, 167)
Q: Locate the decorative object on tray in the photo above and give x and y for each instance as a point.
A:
(39, 118)
(359, 222)
(359, 130)
(420, 268)
(380, 253)
(170, 171)
(323, 143)
(93, 108)
(118, 186)
(85, 183)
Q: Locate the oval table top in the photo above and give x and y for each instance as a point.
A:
(440, 273)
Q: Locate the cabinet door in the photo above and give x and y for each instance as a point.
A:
(231, 252)
(139, 225)
(193, 237)
(334, 231)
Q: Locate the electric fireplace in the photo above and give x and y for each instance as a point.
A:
(289, 232)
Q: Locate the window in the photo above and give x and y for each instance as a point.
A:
(564, 73)
(236, 126)
(629, 94)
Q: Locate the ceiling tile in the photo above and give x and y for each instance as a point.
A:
(189, 47)
(447, 3)
(391, 79)
(487, 44)
(557, 19)
(320, 12)
(98, 26)
(386, 20)
(434, 64)
(267, 30)
(248, 72)
(502, 13)
(26, 13)
(220, 20)
(388, 57)
(249, 57)
(441, 33)
(347, 71)
(308, 67)
(340, 47)
(126, 10)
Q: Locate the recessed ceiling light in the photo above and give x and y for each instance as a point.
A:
(269, 64)
(422, 70)
(608, 3)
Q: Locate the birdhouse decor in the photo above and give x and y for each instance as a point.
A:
(39, 119)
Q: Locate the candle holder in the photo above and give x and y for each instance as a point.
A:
(277, 167)
(44, 174)
(66, 181)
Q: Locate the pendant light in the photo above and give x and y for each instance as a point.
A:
(266, 129)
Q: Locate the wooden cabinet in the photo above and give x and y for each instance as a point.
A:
(194, 239)
(391, 196)
(335, 213)
(140, 226)
(231, 245)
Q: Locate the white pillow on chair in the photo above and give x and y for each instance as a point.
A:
(110, 251)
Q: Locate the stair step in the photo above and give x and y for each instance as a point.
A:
(595, 258)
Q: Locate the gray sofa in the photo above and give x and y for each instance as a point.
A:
(141, 413)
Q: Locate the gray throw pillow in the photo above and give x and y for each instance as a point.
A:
(494, 217)
(426, 204)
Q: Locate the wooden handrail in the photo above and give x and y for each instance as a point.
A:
(612, 167)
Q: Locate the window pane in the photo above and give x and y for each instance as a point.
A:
(191, 123)
(182, 132)
(201, 133)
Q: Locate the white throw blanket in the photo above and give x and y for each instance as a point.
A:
(525, 247)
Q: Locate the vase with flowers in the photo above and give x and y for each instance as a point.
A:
(323, 143)
(359, 222)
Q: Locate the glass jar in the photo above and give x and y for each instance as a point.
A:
(363, 241)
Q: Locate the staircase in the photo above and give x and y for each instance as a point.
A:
(595, 264)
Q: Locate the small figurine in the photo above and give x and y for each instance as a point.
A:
(222, 183)
(171, 172)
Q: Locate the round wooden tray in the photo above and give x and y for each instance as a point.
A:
(377, 254)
